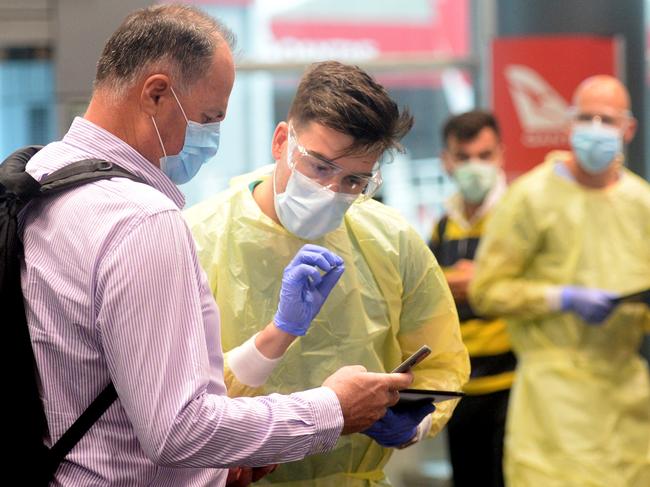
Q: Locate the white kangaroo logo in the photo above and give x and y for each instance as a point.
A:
(539, 107)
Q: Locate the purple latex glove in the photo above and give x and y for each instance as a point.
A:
(592, 305)
(305, 289)
(399, 425)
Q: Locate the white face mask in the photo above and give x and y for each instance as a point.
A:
(475, 179)
(307, 209)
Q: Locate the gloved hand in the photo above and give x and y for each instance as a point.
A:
(592, 305)
(399, 425)
(304, 289)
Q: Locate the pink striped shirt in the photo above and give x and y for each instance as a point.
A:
(113, 291)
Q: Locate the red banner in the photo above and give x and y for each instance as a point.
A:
(383, 28)
(533, 80)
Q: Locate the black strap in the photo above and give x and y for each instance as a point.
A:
(79, 428)
(82, 172)
(442, 227)
(14, 179)
(435, 244)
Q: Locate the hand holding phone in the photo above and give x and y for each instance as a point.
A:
(414, 359)
(412, 397)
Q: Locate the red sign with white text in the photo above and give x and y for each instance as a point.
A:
(533, 80)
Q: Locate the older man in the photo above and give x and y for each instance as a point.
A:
(392, 299)
(568, 239)
(114, 292)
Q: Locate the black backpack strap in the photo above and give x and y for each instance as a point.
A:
(436, 244)
(82, 172)
(79, 428)
(442, 227)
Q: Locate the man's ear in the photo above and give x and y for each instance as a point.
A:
(630, 131)
(154, 89)
(280, 137)
(502, 154)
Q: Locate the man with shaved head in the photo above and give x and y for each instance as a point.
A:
(565, 249)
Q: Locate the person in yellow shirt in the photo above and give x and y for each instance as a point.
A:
(473, 158)
(391, 299)
(567, 240)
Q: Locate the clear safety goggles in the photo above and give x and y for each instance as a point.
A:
(329, 174)
(619, 121)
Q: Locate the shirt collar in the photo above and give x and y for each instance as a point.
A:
(102, 144)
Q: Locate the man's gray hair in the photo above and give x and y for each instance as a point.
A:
(178, 40)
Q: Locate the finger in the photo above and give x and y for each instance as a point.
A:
(393, 397)
(600, 315)
(398, 381)
(246, 476)
(312, 258)
(354, 368)
(306, 274)
(259, 472)
(332, 258)
(603, 311)
(388, 416)
(233, 474)
(380, 414)
(424, 410)
(330, 279)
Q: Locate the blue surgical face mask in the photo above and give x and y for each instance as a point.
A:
(201, 144)
(309, 210)
(596, 146)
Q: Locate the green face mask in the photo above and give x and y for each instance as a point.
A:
(475, 179)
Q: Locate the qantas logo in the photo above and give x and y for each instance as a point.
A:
(541, 110)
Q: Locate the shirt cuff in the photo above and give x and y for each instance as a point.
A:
(249, 365)
(423, 428)
(328, 417)
(554, 298)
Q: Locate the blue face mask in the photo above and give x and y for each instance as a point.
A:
(596, 146)
(201, 144)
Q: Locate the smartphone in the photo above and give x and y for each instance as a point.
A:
(414, 359)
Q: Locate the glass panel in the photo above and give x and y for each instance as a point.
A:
(27, 103)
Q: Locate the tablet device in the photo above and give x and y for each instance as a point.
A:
(410, 396)
(637, 297)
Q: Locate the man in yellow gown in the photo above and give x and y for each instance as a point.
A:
(391, 299)
(564, 243)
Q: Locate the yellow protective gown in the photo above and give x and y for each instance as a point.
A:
(580, 407)
(391, 299)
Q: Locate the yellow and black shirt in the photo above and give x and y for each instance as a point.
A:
(487, 341)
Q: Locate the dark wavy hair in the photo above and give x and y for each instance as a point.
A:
(347, 99)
